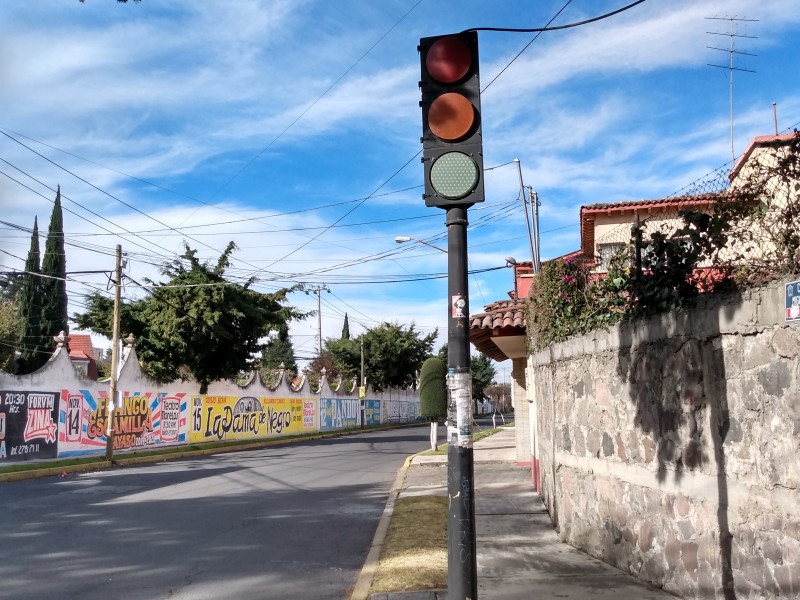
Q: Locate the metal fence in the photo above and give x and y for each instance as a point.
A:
(759, 209)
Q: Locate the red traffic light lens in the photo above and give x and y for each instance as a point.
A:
(451, 117)
(448, 60)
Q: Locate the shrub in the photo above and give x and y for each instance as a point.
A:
(433, 389)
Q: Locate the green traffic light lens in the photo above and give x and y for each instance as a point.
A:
(454, 175)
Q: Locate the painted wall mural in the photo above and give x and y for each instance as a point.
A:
(399, 410)
(372, 412)
(144, 420)
(28, 425)
(339, 413)
(217, 418)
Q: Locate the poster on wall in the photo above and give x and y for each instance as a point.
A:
(217, 418)
(144, 420)
(372, 412)
(400, 410)
(73, 419)
(28, 425)
(338, 413)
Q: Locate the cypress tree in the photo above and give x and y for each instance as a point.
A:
(54, 287)
(346, 328)
(433, 389)
(433, 394)
(279, 350)
(30, 310)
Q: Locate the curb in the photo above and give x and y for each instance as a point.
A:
(364, 582)
(123, 461)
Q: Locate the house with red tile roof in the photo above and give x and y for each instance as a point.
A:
(500, 331)
(81, 353)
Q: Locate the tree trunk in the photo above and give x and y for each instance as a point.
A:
(434, 435)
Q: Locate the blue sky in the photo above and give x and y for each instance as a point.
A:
(291, 127)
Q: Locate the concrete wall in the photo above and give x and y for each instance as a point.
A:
(522, 411)
(671, 447)
(56, 412)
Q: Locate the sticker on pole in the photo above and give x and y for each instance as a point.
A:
(461, 392)
(793, 301)
(458, 305)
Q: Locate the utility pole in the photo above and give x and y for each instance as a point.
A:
(527, 216)
(318, 289)
(534, 200)
(362, 388)
(112, 386)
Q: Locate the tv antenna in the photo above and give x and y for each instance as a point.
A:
(731, 50)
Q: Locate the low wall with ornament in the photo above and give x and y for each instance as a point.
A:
(57, 412)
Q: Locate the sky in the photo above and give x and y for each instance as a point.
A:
(292, 128)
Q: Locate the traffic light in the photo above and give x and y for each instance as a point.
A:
(452, 144)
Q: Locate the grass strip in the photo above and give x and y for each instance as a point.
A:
(475, 437)
(414, 555)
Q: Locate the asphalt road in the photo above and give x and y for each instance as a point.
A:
(286, 522)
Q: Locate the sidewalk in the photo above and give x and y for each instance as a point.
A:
(519, 554)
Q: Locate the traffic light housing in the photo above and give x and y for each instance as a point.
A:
(452, 143)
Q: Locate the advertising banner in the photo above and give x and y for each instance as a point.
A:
(372, 412)
(216, 418)
(73, 418)
(338, 413)
(399, 410)
(143, 420)
(28, 425)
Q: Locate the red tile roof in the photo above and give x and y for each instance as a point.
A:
(500, 319)
(763, 140)
(80, 348)
(589, 212)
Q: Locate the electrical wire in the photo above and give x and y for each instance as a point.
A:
(559, 27)
(314, 103)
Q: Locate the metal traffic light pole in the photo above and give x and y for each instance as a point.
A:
(462, 569)
(452, 158)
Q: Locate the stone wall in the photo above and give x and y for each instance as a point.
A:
(670, 447)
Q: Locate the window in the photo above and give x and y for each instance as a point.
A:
(606, 252)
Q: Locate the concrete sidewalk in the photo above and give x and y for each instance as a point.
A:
(519, 554)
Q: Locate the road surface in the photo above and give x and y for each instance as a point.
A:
(291, 522)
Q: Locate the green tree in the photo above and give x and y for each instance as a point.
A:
(483, 373)
(346, 328)
(340, 357)
(34, 351)
(54, 271)
(393, 354)
(443, 353)
(9, 333)
(197, 320)
(279, 350)
(433, 394)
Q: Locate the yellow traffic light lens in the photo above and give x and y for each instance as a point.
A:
(454, 175)
(451, 117)
(448, 60)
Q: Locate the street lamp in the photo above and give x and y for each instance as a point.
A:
(400, 239)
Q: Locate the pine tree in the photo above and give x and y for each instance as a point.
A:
(279, 350)
(33, 353)
(346, 328)
(54, 266)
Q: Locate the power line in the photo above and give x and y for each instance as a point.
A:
(559, 27)
(314, 103)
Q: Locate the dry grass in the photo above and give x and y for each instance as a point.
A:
(414, 555)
